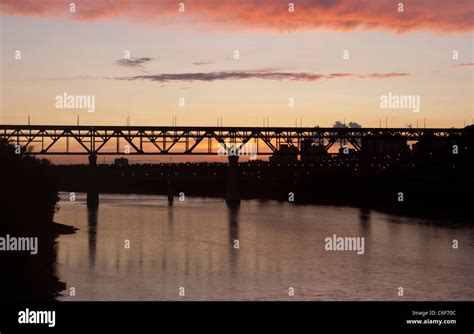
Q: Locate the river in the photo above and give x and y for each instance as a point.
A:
(137, 247)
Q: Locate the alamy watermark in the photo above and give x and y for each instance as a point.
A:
(37, 317)
(238, 149)
(336, 243)
(67, 101)
(19, 244)
(394, 101)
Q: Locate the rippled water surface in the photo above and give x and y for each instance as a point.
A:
(281, 245)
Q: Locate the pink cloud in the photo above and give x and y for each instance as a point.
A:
(434, 15)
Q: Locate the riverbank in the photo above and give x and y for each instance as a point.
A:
(28, 202)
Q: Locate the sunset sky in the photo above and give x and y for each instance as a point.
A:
(282, 55)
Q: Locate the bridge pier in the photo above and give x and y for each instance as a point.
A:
(92, 191)
(233, 188)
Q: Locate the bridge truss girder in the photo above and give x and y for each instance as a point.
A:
(156, 140)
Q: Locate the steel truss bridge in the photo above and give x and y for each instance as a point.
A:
(196, 140)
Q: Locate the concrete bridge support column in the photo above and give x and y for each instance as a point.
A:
(92, 192)
(233, 187)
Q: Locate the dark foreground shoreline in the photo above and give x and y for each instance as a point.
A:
(32, 277)
(62, 229)
(28, 202)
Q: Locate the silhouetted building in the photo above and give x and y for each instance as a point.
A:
(121, 162)
(312, 152)
(435, 146)
(285, 154)
(385, 145)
